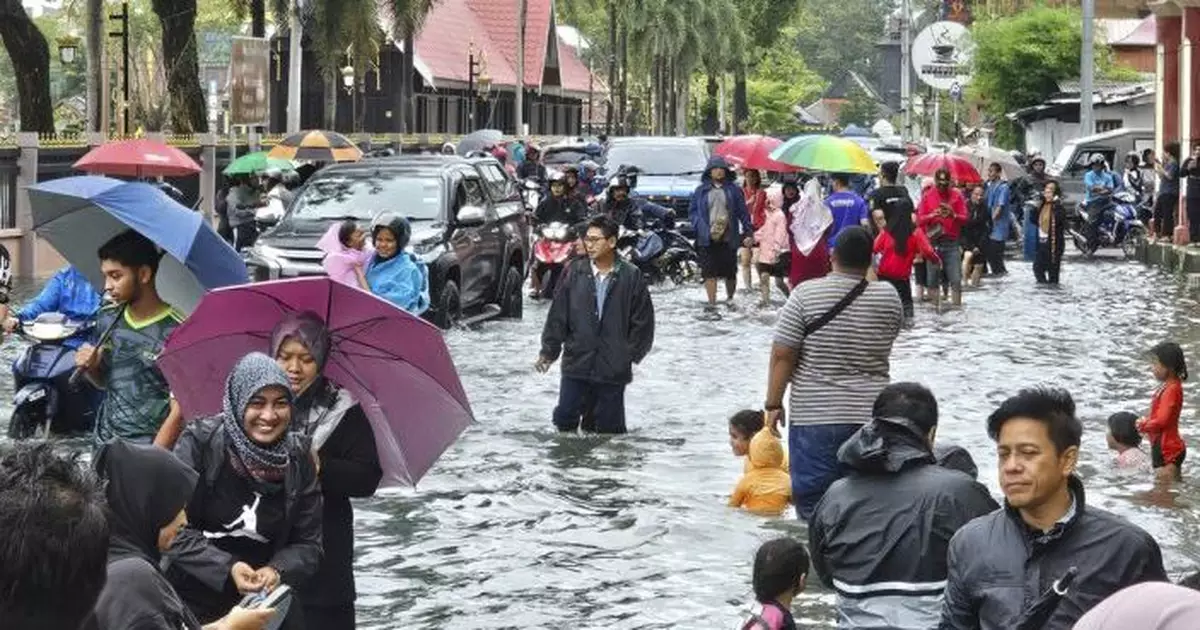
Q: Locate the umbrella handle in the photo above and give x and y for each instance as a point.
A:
(77, 374)
(1063, 584)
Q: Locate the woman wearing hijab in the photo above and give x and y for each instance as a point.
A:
(254, 518)
(348, 463)
(394, 274)
(808, 221)
(147, 488)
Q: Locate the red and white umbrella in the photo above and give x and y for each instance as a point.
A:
(138, 158)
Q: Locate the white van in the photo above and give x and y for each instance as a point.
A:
(1072, 162)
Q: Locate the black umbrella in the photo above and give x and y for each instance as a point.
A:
(479, 141)
(1041, 609)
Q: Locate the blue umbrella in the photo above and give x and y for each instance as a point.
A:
(79, 214)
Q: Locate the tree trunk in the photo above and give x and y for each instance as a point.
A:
(331, 88)
(30, 56)
(674, 87)
(612, 65)
(258, 18)
(741, 106)
(712, 92)
(623, 109)
(95, 64)
(178, 20)
(406, 81)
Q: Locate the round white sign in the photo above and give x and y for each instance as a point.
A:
(941, 55)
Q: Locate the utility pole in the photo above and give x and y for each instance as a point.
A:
(295, 65)
(123, 18)
(520, 100)
(906, 103)
(1087, 70)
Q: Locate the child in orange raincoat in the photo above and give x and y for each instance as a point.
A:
(765, 488)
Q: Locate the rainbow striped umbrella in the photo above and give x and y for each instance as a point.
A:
(825, 153)
(317, 146)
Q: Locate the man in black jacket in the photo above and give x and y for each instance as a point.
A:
(1003, 562)
(879, 536)
(604, 317)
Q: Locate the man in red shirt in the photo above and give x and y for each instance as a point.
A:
(942, 213)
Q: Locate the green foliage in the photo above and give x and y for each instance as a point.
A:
(860, 109)
(780, 81)
(834, 36)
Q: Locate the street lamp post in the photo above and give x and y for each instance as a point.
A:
(484, 83)
(348, 86)
(123, 18)
(472, 65)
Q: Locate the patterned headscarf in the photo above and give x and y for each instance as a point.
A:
(309, 329)
(252, 374)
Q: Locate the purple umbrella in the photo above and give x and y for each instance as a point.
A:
(394, 363)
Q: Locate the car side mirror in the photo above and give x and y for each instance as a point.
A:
(270, 221)
(470, 216)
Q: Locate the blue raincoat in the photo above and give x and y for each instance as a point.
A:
(402, 280)
(739, 216)
(68, 292)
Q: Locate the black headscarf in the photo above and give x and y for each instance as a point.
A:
(147, 487)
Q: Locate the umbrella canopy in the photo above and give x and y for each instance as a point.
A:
(79, 214)
(395, 364)
(753, 152)
(479, 141)
(318, 146)
(257, 162)
(825, 153)
(138, 158)
(961, 169)
(982, 157)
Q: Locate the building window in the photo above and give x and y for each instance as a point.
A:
(1108, 125)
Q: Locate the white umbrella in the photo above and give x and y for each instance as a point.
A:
(982, 157)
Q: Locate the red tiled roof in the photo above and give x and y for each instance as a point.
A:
(491, 25)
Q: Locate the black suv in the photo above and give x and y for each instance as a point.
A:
(468, 224)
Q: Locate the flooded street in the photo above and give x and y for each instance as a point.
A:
(518, 527)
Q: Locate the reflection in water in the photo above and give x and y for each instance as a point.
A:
(520, 527)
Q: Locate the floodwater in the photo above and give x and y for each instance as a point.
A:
(519, 527)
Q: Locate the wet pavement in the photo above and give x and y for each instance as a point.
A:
(519, 527)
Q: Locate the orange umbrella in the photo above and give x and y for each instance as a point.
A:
(138, 158)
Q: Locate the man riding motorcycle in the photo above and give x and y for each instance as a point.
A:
(559, 207)
(629, 212)
(532, 167)
(68, 292)
(1099, 184)
(575, 187)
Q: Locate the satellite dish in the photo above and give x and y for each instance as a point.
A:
(941, 55)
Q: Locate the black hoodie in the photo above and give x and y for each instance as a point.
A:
(147, 488)
(879, 536)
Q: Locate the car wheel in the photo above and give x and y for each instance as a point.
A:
(512, 303)
(449, 306)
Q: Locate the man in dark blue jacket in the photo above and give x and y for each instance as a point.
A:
(722, 224)
(604, 317)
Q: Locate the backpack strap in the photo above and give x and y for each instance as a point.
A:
(837, 309)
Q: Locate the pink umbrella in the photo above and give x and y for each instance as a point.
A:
(753, 152)
(395, 364)
(138, 158)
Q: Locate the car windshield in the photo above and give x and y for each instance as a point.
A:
(663, 159)
(1063, 160)
(565, 156)
(364, 194)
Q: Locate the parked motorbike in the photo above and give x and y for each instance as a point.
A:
(45, 401)
(551, 251)
(659, 253)
(1119, 227)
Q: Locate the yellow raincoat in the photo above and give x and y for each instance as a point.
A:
(766, 487)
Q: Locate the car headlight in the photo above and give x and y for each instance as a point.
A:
(427, 251)
(555, 232)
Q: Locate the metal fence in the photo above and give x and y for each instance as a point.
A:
(8, 188)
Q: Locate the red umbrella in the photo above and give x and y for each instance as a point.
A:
(753, 152)
(138, 158)
(962, 172)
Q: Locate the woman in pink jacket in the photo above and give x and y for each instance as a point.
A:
(774, 252)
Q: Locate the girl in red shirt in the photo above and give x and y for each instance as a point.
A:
(897, 245)
(1167, 449)
(756, 205)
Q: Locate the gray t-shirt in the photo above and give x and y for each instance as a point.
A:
(718, 212)
(845, 364)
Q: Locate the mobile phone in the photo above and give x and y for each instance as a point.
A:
(279, 599)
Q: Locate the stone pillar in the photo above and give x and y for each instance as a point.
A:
(208, 175)
(27, 162)
(1170, 29)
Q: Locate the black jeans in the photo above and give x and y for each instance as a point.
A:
(1164, 214)
(1047, 264)
(904, 288)
(602, 405)
(994, 253)
(1193, 216)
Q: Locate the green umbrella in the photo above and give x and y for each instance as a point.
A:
(825, 153)
(257, 162)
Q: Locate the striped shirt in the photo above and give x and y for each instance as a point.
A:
(845, 364)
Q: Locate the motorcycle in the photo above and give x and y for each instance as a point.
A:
(533, 193)
(551, 251)
(45, 401)
(659, 253)
(1119, 227)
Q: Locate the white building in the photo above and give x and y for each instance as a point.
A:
(38, 8)
(1050, 125)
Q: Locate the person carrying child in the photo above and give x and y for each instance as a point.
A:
(766, 487)
(780, 571)
(1167, 450)
(346, 254)
(1123, 437)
